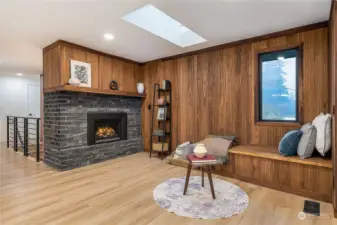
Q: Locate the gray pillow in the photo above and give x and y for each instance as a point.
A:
(307, 143)
(183, 150)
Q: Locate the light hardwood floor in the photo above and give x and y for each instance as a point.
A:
(120, 192)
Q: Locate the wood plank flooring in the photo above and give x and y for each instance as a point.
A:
(120, 192)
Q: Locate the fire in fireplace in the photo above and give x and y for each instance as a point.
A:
(105, 132)
(106, 127)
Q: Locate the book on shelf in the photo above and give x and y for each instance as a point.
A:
(158, 132)
(166, 84)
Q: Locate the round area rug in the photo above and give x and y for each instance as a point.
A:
(198, 202)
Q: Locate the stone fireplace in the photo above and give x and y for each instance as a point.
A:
(86, 128)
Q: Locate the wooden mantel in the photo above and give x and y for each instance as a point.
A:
(92, 90)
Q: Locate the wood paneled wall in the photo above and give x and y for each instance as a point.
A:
(104, 68)
(333, 93)
(213, 92)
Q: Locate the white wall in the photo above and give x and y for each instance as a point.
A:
(14, 98)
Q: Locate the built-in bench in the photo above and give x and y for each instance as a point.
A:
(264, 166)
(272, 153)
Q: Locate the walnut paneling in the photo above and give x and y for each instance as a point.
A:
(124, 73)
(51, 67)
(213, 91)
(333, 93)
(71, 53)
(306, 180)
(104, 67)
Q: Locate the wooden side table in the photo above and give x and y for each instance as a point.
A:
(204, 168)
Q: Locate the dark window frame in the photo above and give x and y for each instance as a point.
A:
(258, 86)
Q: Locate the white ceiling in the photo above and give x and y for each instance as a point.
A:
(26, 26)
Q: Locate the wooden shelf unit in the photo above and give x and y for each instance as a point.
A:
(93, 90)
(165, 94)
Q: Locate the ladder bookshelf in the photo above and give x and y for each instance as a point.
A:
(162, 133)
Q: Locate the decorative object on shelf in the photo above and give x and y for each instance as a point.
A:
(161, 101)
(159, 146)
(162, 114)
(74, 82)
(200, 150)
(140, 88)
(166, 84)
(81, 71)
(113, 85)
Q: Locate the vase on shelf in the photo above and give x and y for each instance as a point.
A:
(161, 101)
(140, 88)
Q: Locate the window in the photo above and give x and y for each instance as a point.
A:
(160, 24)
(278, 85)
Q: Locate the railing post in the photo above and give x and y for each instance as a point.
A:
(25, 137)
(15, 134)
(7, 132)
(38, 140)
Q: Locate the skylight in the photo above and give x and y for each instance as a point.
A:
(158, 23)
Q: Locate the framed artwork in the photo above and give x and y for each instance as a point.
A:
(162, 113)
(81, 71)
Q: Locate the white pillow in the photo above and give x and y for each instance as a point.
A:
(180, 150)
(323, 140)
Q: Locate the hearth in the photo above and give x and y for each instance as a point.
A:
(106, 127)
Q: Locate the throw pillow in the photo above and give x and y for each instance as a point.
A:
(323, 140)
(289, 143)
(307, 143)
(183, 150)
(217, 146)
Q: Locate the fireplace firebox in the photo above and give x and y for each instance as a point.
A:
(106, 127)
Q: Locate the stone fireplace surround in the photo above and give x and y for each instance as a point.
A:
(65, 128)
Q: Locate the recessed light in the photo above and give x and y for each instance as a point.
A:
(19, 74)
(280, 58)
(108, 36)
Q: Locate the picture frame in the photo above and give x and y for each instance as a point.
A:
(162, 113)
(81, 71)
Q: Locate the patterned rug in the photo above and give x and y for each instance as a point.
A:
(198, 202)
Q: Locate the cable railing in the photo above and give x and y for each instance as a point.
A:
(23, 135)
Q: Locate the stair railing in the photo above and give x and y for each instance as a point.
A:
(23, 134)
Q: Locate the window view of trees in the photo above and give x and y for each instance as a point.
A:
(278, 86)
